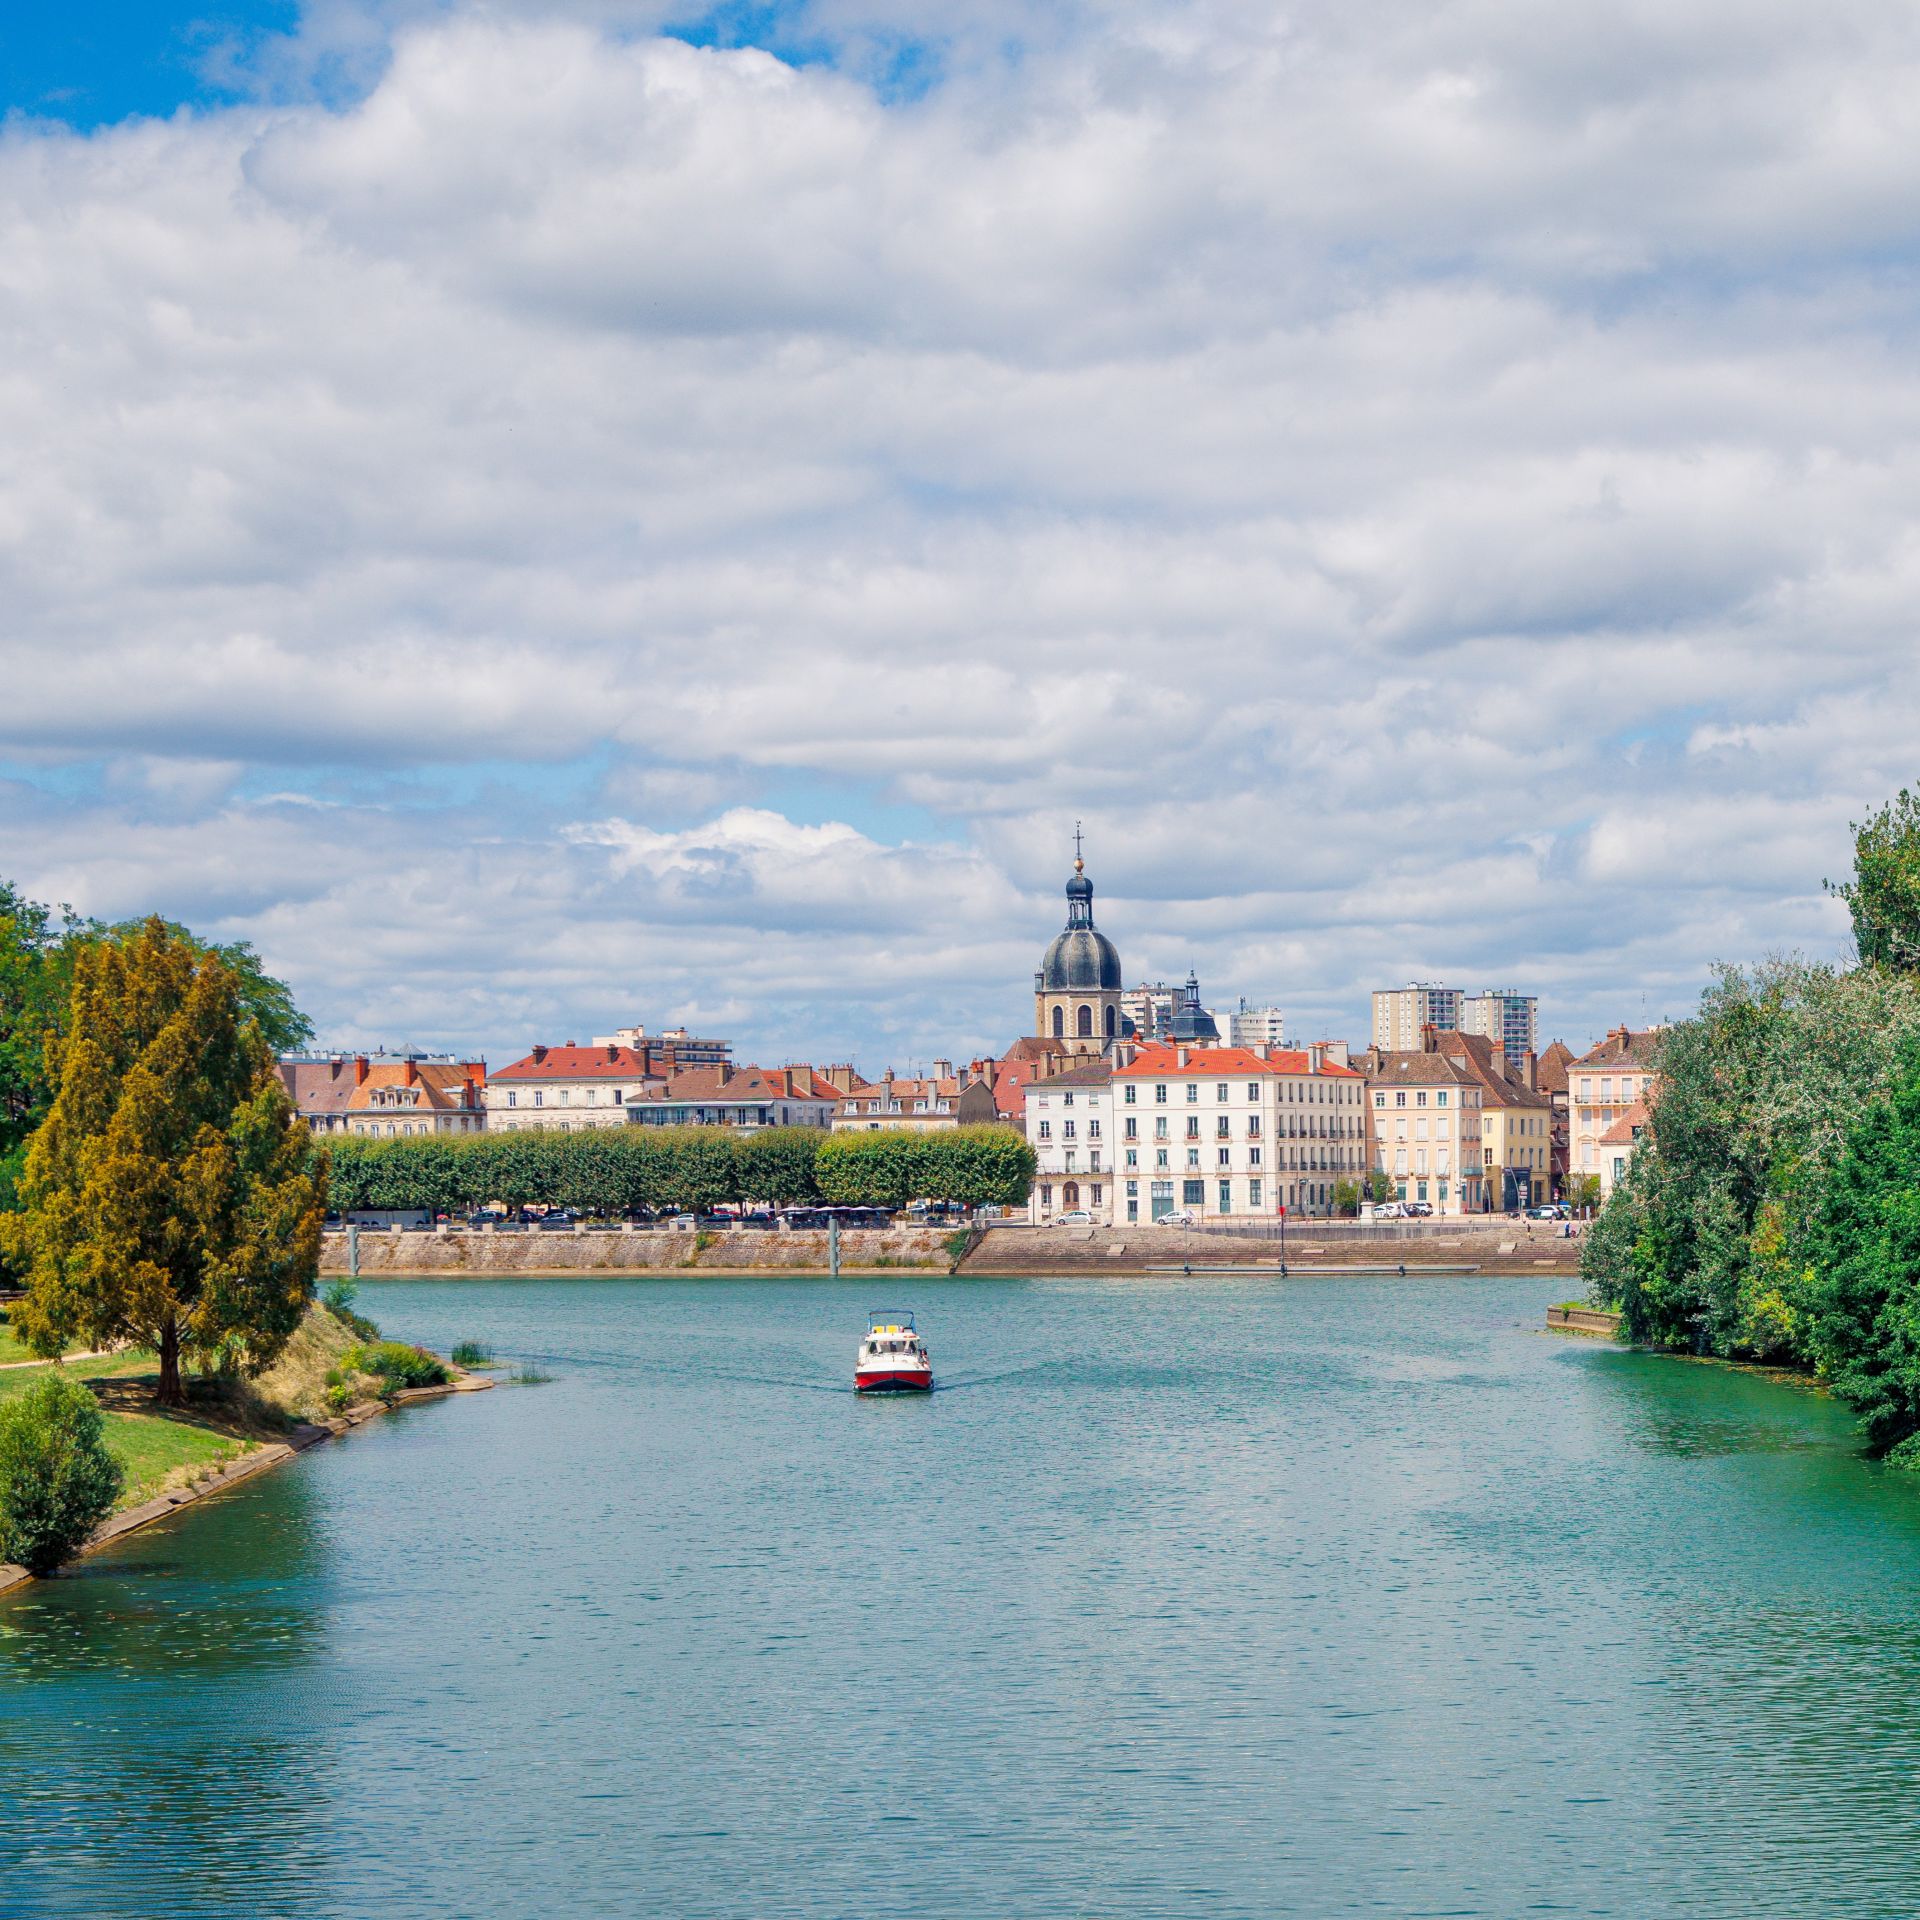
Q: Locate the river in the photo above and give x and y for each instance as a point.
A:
(1207, 1597)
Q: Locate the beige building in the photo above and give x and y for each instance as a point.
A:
(1603, 1087)
(565, 1089)
(1617, 1145)
(1516, 1123)
(745, 1098)
(920, 1105)
(1425, 1110)
(397, 1098)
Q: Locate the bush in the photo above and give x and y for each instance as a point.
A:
(472, 1353)
(396, 1365)
(338, 1300)
(57, 1479)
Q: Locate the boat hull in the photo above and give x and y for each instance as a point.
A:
(894, 1380)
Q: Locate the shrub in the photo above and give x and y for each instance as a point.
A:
(57, 1479)
(339, 1395)
(472, 1353)
(396, 1365)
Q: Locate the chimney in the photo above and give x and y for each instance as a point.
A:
(1336, 1051)
(1429, 1038)
(943, 1069)
(1529, 1071)
(539, 1055)
(413, 1071)
(1317, 1055)
(359, 1069)
(1180, 1055)
(613, 1053)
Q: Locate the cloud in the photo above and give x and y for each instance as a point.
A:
(1431, 489)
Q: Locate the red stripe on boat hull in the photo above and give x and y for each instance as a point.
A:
(893, 1382)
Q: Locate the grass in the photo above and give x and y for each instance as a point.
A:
(473, 1353)
(160, 1451)
(528, 1376)
(13, 1348)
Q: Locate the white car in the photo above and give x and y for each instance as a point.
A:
(1074, 1217)
(1390, 1210)
(1179, 1218)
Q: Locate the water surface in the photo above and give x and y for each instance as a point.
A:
(1195, 1597)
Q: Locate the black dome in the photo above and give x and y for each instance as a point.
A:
(1082, 959)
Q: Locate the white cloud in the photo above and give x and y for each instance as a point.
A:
(1430, 486)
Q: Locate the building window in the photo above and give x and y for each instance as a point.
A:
(1133, 1157)
(1096, 1193)
(1109, 1023)
(1059, 1023)
(1440, 1099)
(1253, 1156)
(1046, 1129)
(1160, 1160)
(1093, 1129)
(1193, 1193)
(512, 1097)
(1160, 1093)
(1379, 1099)
(1226, 1156)
(1220, 1093)
(1253, 1126)
(1399, 1099)
(1193, 1092)
(1130, 1090)
(1193, 1156)
(1419, 1099)
(1133, 1125)
(1069, 1130)
(539, 1097)
(1193, 1126)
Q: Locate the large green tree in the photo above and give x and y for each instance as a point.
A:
(170, 1197)
(1884, 894)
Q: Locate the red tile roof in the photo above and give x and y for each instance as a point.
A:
(578, 1063)
(1158, 1062)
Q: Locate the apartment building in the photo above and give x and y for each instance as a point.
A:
(1402, 1014)
(1425, 1110)
(1069, 1125)
(1258, 1028)
(1516, 1123)
(939, 1100)
(1509, 1019)
(743, 1098)
(395, 1099)
(566, 1089)
(1604, 1086)
(1231, 1133)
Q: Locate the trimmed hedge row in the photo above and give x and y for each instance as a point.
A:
(610, 1170)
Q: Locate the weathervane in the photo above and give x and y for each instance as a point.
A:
(1079, 865)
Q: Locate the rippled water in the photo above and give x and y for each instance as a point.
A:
(1206, 1598)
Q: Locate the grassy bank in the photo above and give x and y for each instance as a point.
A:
(166, 1448)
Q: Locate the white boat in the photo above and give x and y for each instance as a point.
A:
(893, 1357)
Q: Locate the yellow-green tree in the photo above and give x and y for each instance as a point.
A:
(170, 1197)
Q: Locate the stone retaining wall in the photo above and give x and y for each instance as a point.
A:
(1498, 1246)
(592, 1251)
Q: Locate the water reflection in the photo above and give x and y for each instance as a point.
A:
(159, 1748)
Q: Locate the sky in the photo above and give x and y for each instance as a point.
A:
(562, 513)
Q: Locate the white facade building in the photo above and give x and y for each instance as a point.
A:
(1256, 1027)
(1225, 1132)
(1069, 1124)
(1426, 1124)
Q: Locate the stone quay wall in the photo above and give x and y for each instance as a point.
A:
(599, 1250)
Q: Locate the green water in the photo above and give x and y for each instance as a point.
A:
(1213, 1598)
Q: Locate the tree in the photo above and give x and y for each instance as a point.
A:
(1883, 897)
(1583, 1189)
(777, 1165)
(170, 1198)
(1379, 1185)
(1346, 1197)
(1863, 1292)
(57, 1479)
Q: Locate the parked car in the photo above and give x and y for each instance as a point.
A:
(1180, 1217)
(1419, 1209)
(1390, 1210)
(1551, 1212)
(1074, 1217)
(558, 1220)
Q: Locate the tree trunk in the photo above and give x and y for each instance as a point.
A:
(170, 1393)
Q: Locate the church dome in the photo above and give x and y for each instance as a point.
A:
(1081, 959)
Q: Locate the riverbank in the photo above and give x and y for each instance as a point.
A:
(1502, 1247)
(174, 1457)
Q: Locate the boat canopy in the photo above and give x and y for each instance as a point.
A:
(889, 1320)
